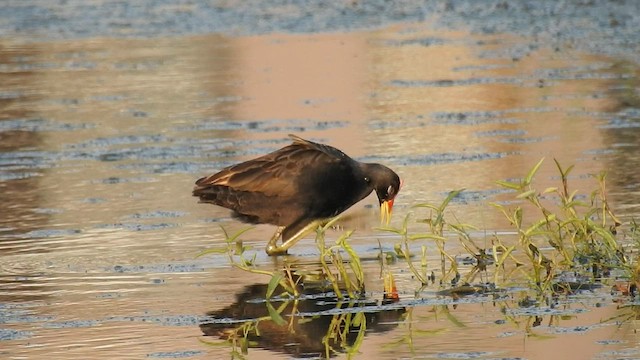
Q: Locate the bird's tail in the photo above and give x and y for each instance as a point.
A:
(228, 198)
(216, 194)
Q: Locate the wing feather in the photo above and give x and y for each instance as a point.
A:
(276, 173)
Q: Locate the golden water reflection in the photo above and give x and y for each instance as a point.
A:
(102, 139)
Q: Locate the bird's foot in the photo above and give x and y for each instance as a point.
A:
(272, 247)
(274, 250)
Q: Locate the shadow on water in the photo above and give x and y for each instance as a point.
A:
(317, 324)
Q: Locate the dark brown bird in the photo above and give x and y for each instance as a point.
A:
(297, 188)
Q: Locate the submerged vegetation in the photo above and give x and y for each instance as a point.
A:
(564, 242)
(564, 233)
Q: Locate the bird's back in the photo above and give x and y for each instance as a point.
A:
(301, 179)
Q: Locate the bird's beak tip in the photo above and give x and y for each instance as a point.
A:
(385, 211)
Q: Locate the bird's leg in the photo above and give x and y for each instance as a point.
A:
(273, 249)
(272, 246)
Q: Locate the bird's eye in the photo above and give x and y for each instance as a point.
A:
(366, 178)
(390, 190)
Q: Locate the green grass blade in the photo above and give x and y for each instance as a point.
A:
(237, 234)
(273, 284)
(450, 196)
(215, 250)
(532, 173)
(509, 185)
(426, 236)
(425, 205)
(275, 315)
(526, 194)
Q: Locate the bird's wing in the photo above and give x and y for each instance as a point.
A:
(326, 149)
(275, 173)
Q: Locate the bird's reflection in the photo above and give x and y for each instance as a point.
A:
(315, 324)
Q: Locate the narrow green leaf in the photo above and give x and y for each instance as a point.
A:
(359, 321)
(540, 336)
(237, 234)
(505, 255)
(526, 194)
(517, 217)
(463, 227)
(331, 222)
(509, 185)
(226, 234)
(530, 231)
(216, 250)
(450, 196)
(425, 236)
(494, 252)
(433, 207)
(496, 205)
(405, 223)
(606, 235)
(576, 203)
(390, 229)
(342, 240)
(568, 170)
(273, 284)
(354, 263)
(564, 172)
(275, 315)
(244, 346)
(503, 210)
(221, 343)
(532, 173)
(454, 320)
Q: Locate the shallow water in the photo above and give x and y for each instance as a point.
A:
(107, 119)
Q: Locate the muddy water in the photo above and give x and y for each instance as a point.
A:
(102, 136)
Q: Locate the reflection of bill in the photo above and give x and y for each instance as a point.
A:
(317, 324)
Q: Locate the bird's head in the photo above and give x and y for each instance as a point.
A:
(386, 183)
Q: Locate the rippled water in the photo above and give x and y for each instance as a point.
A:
(109, 111)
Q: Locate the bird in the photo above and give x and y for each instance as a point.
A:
(297, 188)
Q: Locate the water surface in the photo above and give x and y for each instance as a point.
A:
(107, 119)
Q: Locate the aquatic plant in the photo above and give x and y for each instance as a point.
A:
(340, 278)
(581, 234)
(237, 252)
(340, 333)
(242, 335)
(556, 232)
(316, 324)
(436, 232)
(561, 241)
(344, 276)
